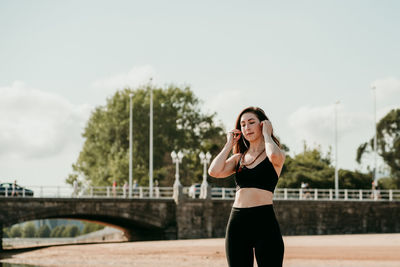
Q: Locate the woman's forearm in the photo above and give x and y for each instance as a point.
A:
(218, 164)
(271, 148)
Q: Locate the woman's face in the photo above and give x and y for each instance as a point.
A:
(250, 126)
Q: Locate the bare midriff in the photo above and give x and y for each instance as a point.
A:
(252, 197)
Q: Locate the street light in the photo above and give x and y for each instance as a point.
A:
(130, 145)
(177, 158)
(373, 87)
(151, 142)
(205, 159)
(336, 155)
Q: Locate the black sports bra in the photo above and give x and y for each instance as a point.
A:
(262, 176)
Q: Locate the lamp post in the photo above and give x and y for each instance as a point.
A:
(336, 155)
(205, 159)
(374, 95)
(130, 145)
(178, 190)
(151, 142)
(177, 158)
(375, 184)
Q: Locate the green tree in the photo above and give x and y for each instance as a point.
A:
(57, 231)
(354, 179)
(388, 144)
(314, 168)
(310, 167)
(6, 232)
(44, 231)
(16, 231)
(387, 183)
(178, 125)
(70, 231)
(29, 230)
(91, 227)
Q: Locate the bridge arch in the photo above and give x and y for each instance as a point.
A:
(139, 219)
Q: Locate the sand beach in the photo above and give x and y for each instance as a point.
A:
(369, 250)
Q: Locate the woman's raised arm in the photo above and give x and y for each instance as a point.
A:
(221, 166)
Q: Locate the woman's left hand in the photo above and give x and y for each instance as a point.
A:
(266, 128)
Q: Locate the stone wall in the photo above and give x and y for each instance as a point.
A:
(202, 218)
(206, 218)
(337, 217)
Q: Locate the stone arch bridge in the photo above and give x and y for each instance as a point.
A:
(155, 219)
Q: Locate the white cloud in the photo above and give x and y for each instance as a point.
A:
(387, 96)
(387, 89)
(227, 104)
(316, 125)
(135, 77)
(37, 124)
(312, 123)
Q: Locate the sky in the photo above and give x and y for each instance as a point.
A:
(295, 59)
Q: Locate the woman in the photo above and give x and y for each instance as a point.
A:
(257, 161)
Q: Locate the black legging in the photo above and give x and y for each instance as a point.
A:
(252, 231)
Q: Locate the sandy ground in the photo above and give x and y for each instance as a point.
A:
(300, 251)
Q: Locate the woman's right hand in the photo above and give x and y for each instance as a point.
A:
(233, 137)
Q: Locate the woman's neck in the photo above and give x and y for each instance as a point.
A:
(256, 146)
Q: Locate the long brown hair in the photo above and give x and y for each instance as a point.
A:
(242, 145)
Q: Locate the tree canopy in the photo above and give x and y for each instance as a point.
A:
(178, 125)
(314, 168)
(388, 144)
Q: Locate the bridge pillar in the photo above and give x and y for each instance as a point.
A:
(208, 192)
(196, 218)
(178, 193)
(208, 214)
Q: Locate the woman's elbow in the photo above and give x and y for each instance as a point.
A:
(216, 174)
(212, 173)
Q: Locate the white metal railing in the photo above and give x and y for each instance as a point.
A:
(222, 192)
(330, 194)
(319, 194)
(88, 192)
(216, 193)
(311, 194)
